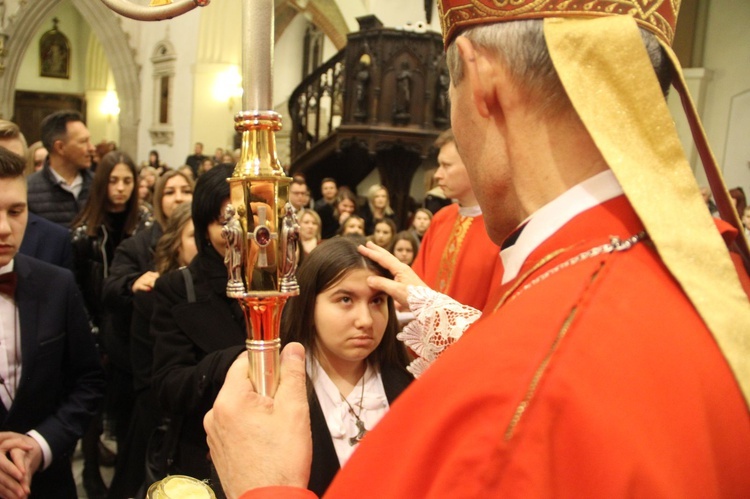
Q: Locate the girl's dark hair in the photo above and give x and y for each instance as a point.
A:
(94, 213)
(211, 190)
(325, 266)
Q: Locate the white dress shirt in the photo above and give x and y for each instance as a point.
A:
(341, 423)
(75, 188)
(10, 345)
(10, 360)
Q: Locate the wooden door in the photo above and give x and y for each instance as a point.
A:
(31, 108)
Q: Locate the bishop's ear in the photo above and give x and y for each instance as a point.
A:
(482, 74)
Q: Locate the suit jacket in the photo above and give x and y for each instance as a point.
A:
(62, 380)
(47, 241)
(325, 462)
(195, 343)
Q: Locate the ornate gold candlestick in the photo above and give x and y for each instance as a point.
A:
(260, 228)
(262, 234)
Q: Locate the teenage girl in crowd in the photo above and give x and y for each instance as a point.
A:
(133, 272)
(420, 224)
(355, 366)
(333, 216)
(145, 193)
(383, 234)
(405, 247)
(175, 249)
(156, 164)
(110, 215)
(378, 207)
(309, 231)
(352, 225)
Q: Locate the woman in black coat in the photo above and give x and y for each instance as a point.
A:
(196, 341)
(128, 297)
(111, 215)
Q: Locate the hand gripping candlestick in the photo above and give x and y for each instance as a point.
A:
(260, 228)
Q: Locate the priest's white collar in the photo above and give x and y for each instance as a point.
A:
(470, 211)
(552, 216)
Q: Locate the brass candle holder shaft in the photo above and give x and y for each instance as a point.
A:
(262, 235)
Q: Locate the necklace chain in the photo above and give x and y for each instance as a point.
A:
(361, 430)
(615, 244)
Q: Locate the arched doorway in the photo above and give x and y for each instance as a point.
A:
(106, 26)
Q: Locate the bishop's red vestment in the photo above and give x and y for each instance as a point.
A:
(594, 377)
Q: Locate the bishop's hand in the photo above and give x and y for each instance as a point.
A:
(257, 441)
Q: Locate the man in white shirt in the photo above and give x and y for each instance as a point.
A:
(50, 377)
(59, 190)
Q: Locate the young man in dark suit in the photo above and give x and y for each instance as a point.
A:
(50, 377)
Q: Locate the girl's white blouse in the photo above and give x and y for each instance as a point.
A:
(341, 423)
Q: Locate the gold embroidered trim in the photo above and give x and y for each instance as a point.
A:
(538, 375)
(450, 253)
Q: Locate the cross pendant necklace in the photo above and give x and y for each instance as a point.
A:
(361, 430)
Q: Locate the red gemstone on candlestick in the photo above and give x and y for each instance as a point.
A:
(263, 236)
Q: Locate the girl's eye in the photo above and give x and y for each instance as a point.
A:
(345, 299)
(378, 300)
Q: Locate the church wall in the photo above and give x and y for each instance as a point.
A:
(182, 35)
(77, 32)
(727, 56)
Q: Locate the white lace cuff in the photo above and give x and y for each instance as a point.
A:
(439, 322)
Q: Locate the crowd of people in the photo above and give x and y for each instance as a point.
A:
(138, 237)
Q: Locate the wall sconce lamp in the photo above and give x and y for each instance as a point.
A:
(228, 86)
(110, 106)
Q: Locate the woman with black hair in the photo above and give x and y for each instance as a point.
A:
(155, 163)
(355, 366)
(198, 338)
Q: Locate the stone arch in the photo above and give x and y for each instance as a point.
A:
(325, 14)
(106, 26)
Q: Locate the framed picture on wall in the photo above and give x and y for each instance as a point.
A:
(54, 53)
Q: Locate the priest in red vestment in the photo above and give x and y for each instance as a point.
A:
(615, 359)
(456, 256)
